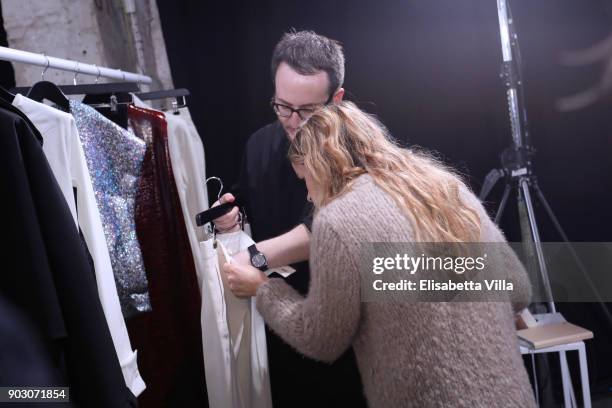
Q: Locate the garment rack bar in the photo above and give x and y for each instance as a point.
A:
(25, 57)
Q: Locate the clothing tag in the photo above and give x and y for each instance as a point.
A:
(283, 271)
(247, 229)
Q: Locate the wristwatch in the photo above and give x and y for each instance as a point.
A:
(258, 259)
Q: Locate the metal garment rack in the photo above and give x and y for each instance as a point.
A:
(45, 61)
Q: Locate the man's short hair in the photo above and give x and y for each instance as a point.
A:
(308, 53)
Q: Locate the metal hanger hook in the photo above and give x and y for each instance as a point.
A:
(99, 74)
(76, 72)
(42, 75)
(220, 188)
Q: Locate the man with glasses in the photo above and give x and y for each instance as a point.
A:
(308, 73)
(284, 111)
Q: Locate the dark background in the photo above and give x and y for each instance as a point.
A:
(430, 70)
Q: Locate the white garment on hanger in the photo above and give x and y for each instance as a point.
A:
(63, 150)
(188, 166)
(55, 127)
(235, 350)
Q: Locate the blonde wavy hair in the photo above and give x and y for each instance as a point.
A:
(341, 142)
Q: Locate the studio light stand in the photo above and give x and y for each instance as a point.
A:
(517, 168)
(516, 161)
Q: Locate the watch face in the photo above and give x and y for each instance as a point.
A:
(258, 260)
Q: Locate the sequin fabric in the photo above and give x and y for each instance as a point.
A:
(114, 157)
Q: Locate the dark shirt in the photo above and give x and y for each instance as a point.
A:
(275, 202)
(272, 194)
(267, 172)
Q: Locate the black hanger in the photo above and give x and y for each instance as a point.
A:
(110, 99)
(6, 95)
(163, 94)
(104, 89)
(215, 212)
(181, 93)
(113, 106)
(48, 90)
(89, 89)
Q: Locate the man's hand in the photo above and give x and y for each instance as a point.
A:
(230, 221)
(243, 280)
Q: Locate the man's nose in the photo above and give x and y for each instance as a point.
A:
(295, 119)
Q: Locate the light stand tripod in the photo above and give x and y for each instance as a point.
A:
(516, 165)
(516, 161)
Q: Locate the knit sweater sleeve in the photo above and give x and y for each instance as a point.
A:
(321, 325)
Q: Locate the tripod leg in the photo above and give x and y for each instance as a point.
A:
(524, 185)
(490, 180)
(502, 204)
(579, 263)
(550, 212)
(526, 196)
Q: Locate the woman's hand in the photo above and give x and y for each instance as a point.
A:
(243, 280)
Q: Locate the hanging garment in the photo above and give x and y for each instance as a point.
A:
(50, 280)
(64, 152)
(169, 338)
(25, 360)
(235, 350)
(234, 339)
(188, 166)
(58, 129)
(115, 156)
(189, 169)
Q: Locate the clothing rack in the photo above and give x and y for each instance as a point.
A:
(25, 57)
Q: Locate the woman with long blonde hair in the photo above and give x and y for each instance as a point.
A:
(367, 189)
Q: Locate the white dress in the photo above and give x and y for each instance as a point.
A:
(235, 350)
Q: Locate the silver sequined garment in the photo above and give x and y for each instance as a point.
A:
(114, 157)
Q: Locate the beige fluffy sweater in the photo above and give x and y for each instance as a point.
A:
(409, 354)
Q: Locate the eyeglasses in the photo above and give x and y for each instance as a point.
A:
(304, 113)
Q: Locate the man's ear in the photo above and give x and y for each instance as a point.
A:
(338, 96)
(299, 170)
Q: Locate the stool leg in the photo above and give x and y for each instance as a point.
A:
(567, 381)
(584, 376)
(535, 379)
